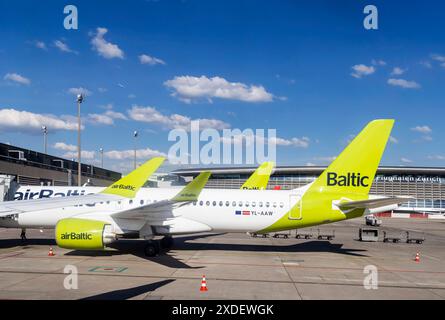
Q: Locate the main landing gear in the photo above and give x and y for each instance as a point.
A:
(153, 247)
(167, 242)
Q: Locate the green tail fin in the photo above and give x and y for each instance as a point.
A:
(129, 185)
(354, 169)
(260, 178)
(193, 189)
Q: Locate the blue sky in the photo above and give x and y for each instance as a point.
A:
(306, 68)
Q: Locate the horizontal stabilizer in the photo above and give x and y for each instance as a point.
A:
(373, 203)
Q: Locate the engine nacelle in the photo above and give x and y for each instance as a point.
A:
(83, 234)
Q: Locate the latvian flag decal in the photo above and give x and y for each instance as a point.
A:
(242, 213)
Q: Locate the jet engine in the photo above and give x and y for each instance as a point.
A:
(84, 234)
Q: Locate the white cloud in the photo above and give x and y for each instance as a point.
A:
(129, 154)
(422, 129)
(436, 157)
(378, 63)
(65, 147)
(404, 83)
(361, 70)
(426, 64)
(106, 118)
(15, 77)
(104, 48)
(173, 121)
(80, 90)
(249, 139)
(85, 154)
(397, 71)
(40, 45)
(393, 140)
(62, 46)
(13, 120)
(102, 90)
(438, 57)
(406, 160)
(325, 159)
(131, 96)
(189, 88)
(302, 142)
(146, 59)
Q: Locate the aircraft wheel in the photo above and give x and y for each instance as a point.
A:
(151, 249)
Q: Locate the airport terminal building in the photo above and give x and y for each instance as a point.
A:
(426, 185)
(28, 167)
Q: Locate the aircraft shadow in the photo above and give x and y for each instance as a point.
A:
(125, 294)
(308, 246)
(11, 243)
(135, 247)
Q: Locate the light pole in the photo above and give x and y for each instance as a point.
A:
(135, 134)
(79, 166)
(101, 150)
(45, 132)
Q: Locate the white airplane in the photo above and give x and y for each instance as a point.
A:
(94, 221)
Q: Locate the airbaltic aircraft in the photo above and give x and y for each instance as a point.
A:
(94, 221)
(257, 181)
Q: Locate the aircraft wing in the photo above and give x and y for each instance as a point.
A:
(126, 187)
(188, 194)
(23, 206)
(373, 203)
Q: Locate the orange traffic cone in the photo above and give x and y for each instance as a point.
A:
(417, 258)
(203, 284)
(51, 252)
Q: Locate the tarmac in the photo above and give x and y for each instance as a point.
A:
(236, 266)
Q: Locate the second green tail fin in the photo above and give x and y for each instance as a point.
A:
(260, 178)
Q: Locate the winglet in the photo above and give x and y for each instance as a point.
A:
(129, 185)
(194, 188)
(260, 178)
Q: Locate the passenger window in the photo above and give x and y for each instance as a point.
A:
(253, 204)
(142, 202)
(247, 203)
(274, 204)
(207, 203)
(214, 203)
(227, 203)
(281, 205)
(234, 204)
(267, 204)
(260, 204)
(201, 203)
(220, 203)
(194, 203)
(240, 203)
(108, 202)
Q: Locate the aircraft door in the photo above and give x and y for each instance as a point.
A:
(296, 207)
